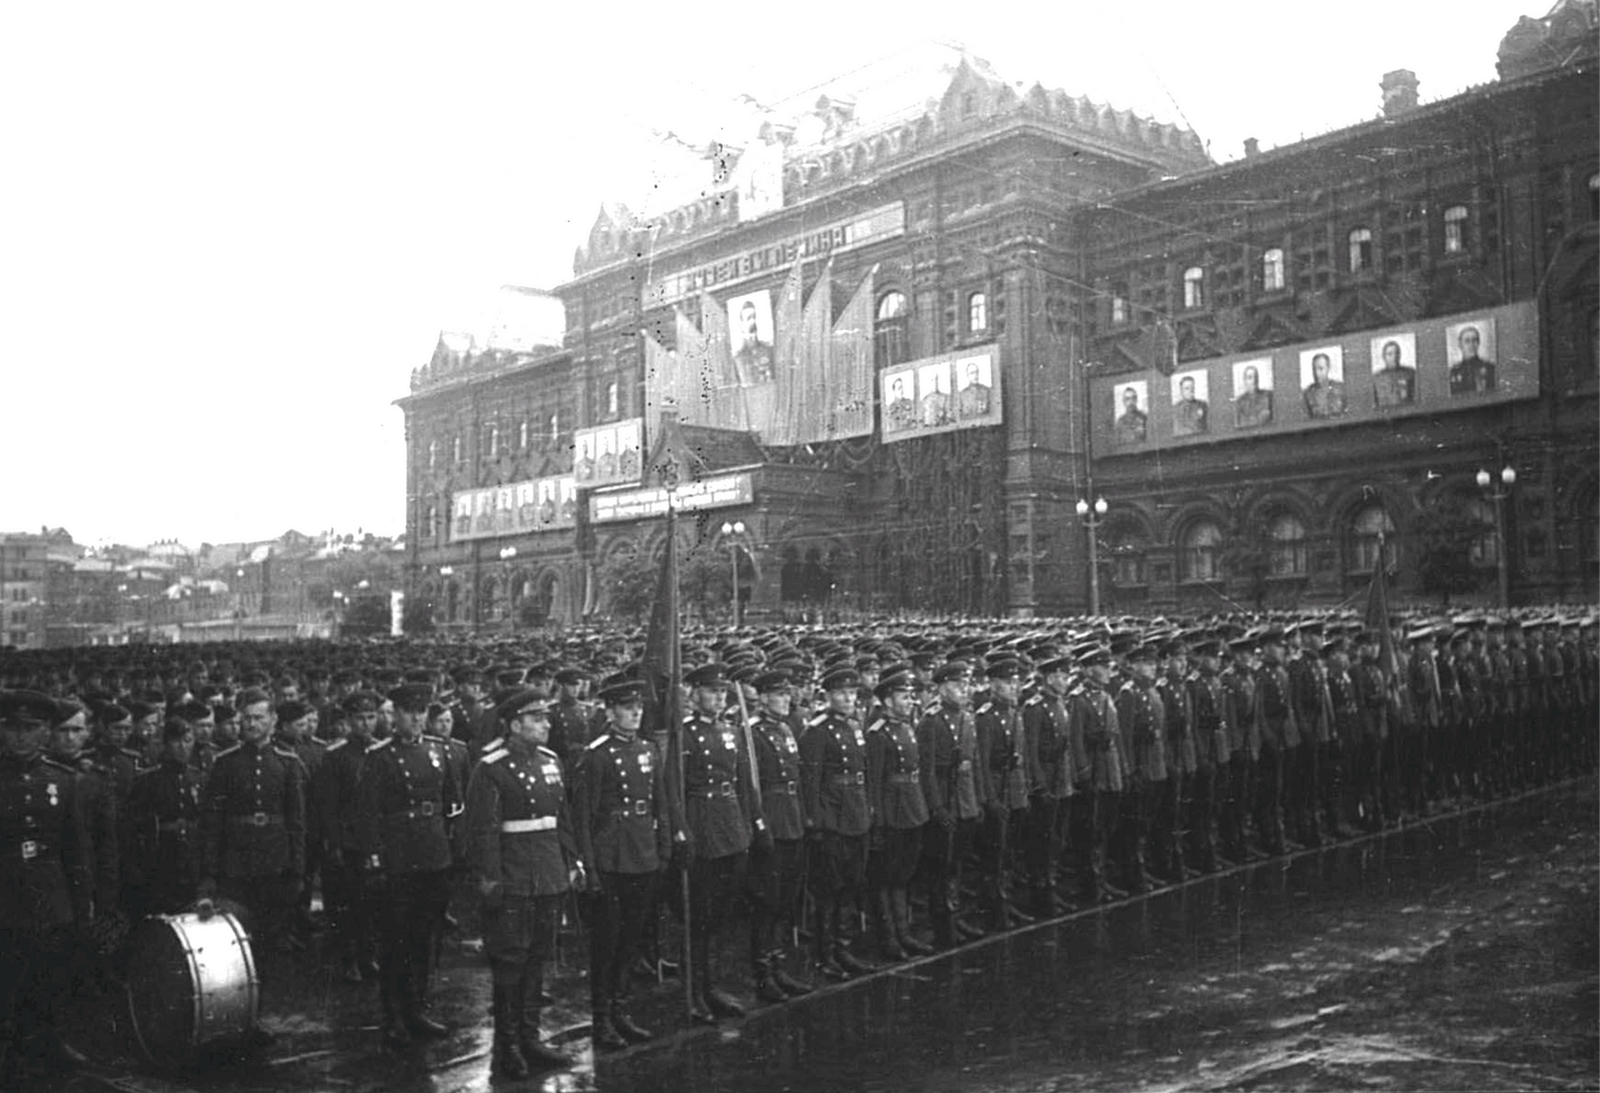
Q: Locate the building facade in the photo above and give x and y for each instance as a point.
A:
(899, 352)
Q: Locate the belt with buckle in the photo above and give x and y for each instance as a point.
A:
(423, 810)
(31, 848)
(720, 789)
(781, 788)
(907, 779)
(859, 778)
(640, 807)
(522, 827)
(257, 819)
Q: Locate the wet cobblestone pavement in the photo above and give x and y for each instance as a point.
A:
(1459, 953)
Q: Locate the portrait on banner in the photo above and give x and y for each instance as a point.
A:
(974, 389)
(1191, 408)
(933, 388)
(899, 400)
(1322, 381)
(750, 335)
(1252, 393)
(526, 511)
(547, 501)
(1132, 422)
(583, 465)
(1470, 351)
(1394, 369)
(629, 460)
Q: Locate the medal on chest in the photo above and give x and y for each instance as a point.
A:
(644, 761)
(729, 741)
(552, 774)
(54, 794)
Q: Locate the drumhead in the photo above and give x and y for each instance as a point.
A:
(191, 982)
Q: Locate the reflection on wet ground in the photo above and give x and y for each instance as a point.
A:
(1457, 954)
(1460, 954)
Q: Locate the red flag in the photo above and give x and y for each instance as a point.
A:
(781, 426)
(1378, 613)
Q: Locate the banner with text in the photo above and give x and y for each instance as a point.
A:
(722, 491)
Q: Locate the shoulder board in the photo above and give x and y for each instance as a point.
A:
(1034, 700)
(380, 745)
(495, 743)
(877, 725)
(336, 745)
(137, 757)
(494, 756)
(820, 719)
(433, 738)
(226, 751)
(985, 708)
(597, 741)
(286, 753)
(546, 751)
(52, 761)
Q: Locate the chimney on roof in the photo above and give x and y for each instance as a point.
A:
(1399, 92)
(1252, 147)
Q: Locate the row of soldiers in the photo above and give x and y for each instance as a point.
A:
(980, 777)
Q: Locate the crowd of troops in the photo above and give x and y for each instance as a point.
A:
(846, 797)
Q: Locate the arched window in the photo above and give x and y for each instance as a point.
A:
(455, 449)
(1287, 555)
(433, 521)
(1368, 527)
(522, 435)
(889, 342)
(611, 398)
(1360, 250)
(1455, 229)
(1272, 274)
(555, 425)
(977, 312)
(1201, 556)
(494, 441)
(1194, 287)
(1127, 550)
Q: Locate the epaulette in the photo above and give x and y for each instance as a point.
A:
(380, 745)
(137, 757)
(985, 708)
(876, 725)
(597, 741)
(336, 745)
(546, 751)
(286, 753)
(820, 719)
(498, 741)
(1034, 700)
(226, 751)
(52, 761)
(494, 756)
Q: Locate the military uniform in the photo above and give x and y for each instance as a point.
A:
(1171, 818)
(899, 813)
(1142, 722)
(406, 792)
(1093, 710)
(335, 796)
(1057, 763)
(253, 829)
(1280, 743)
(1002, 762)
(623, 833)
(1208, 703)
(833, 782)
(164, 831)
(521, 847)
(947, 755)
(777, 874)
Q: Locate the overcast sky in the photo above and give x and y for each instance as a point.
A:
(228, 237)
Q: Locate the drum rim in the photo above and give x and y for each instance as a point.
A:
(252, 983)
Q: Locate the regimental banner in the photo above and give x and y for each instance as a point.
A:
(956, 390)
(709, 493)
(875, 225)
(515, 508)
(607, 455)
(1428, 367)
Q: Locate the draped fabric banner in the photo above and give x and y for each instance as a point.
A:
(797, 377)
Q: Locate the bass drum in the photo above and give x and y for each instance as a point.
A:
(191, 984)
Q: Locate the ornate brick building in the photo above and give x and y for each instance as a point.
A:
(895, 341)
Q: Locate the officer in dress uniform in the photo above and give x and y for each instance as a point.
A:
(1345, 718)
(833, 780)
(899, 814)
(719, 823)
(776, 876)
(524, 857)
(294, 734)
(1093, 712)
(1280, 740)
(164, 823)
(1208, 702)
(44, 885)
(405, 795)
(334, 804)
(68, 734)
(570, 719)
(1375, 802)
(1142, 724)
(253, 822)
(1171, 817)
(1057, 762)
(622, 825)
(1244, 744)
(1003, 761)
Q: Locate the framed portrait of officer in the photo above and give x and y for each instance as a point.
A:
(1132, 422)
(750, 336)
(1469, 351)
(1252, 393)
(1394, 369)
(973, 388)
(1191, 408)
(899, 400)
(933, 392)
(1322, 381)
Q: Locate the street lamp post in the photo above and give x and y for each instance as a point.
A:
(1091, 516)
(1508, 478)
(731, 532)
(506, 555)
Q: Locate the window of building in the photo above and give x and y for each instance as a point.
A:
(433, 521)
(455, 449)
(1127, 558)
(1119, 306)
(522, 434)
(1455, 229)
(612, 406)
(433, 454)
(1272, 272)
(1201, 556)
(494, 441)
(1485, 548)
(1287, 554)
(1360, 250)
(977, 312)
(969, 104)
(555, 425)
(1194, 291)
(889, 342)
(1370, 526)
